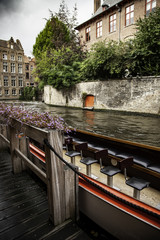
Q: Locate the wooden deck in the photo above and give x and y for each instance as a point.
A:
(24, 208)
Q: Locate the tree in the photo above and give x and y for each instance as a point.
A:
(146, 45)
(57, 50)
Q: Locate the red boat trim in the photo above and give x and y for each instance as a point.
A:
(131, 210)
(37, 152)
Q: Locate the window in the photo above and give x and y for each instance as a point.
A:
(20, 91)
(12, 57)
(6, 92)
(13, 91)
(150, 6)
(5, 81)
(20, 58)
(20, 82)
(130, 15)
(19, 68)
(27, 75)
(32, 65)
(5, 56)
(88, 34)
(0, 92)
(27, 66)
(13, 68)
(5, 67)
(112, 23)
(11, 46)
(13, 81)
(99, 29)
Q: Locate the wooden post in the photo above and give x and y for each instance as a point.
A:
(71, 193)
(55, 178)
(61, 182)
(24, 149)
(3, 131)
(14, 143)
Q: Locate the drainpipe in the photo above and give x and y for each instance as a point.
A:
(119, 30)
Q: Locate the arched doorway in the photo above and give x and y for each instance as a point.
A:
(89, 101)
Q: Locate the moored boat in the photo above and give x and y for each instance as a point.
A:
(123, 216)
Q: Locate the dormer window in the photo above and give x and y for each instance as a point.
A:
(11, 46)
(105, 6)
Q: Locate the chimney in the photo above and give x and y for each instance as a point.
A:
(97, 4)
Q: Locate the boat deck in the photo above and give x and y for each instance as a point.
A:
(148, 195)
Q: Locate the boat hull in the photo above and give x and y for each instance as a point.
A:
(114, 219)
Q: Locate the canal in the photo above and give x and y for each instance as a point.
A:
(141, 129)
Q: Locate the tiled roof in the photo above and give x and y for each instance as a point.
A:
(3, 43)
(110, 4)
(17, 44)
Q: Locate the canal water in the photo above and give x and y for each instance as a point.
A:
(141, 129)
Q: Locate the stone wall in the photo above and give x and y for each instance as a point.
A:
(140, 95)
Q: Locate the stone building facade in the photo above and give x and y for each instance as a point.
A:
(114, 20)
(29, 67)
(12, 69)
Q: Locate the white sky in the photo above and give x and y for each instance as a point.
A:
(24, 19)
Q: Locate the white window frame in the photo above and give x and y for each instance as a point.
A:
(5, 67)
(129, 15)
(5, 56)
(19, 68)
(99, 29)
(14, 92)
(20, 82)
(13, 68)
(112, 23)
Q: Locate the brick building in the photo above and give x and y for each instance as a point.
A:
(114, 20)
(12, 69)
(29, 67)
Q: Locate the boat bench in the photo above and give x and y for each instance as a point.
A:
(147, 162)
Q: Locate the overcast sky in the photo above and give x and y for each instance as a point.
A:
(24, 19)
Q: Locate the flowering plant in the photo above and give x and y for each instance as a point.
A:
(41, 120)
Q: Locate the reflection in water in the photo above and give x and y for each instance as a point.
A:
(129, 127)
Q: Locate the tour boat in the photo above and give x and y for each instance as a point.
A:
(123, 216)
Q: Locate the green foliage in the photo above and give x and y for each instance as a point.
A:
(145, 54)
(28, 93)
(54, 35)
(57, 51)
(106, 60)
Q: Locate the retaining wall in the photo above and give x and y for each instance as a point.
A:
(140, 95)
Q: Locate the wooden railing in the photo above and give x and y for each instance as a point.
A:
(61, 181)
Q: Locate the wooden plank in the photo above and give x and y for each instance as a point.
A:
(35, 133)
(32, 166)
(14, 143)
(71, 193)
(55, 178)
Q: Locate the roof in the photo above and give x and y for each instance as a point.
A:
(17, 44)
(108, 3)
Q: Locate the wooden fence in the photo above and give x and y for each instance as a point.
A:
(61, 181)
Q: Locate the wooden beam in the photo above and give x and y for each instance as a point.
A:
(32, 166)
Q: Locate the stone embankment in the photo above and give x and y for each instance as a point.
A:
(138, 95)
